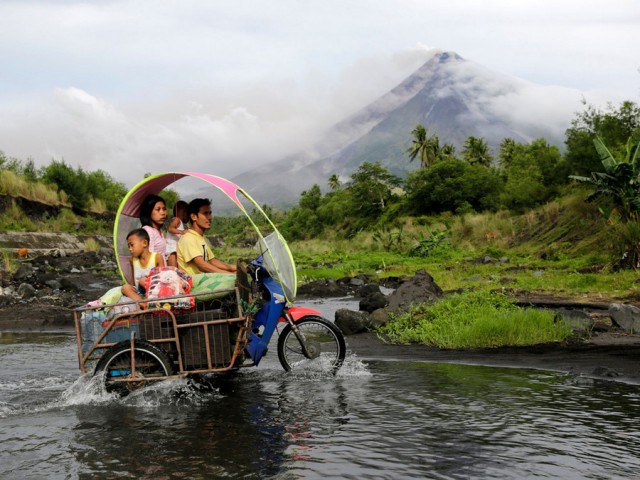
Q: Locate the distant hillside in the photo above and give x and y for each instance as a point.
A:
(452, 97)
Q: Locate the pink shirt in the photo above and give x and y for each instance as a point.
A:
(157, 242)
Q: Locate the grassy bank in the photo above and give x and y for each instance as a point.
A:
(13, 219)
(475, 320)
(563, 249)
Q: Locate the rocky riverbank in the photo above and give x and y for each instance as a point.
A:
(43, 290)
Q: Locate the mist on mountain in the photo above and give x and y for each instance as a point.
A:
(454, 98)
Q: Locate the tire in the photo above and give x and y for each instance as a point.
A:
(325, 342)
(150, 361)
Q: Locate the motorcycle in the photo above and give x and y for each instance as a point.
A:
(210, 330)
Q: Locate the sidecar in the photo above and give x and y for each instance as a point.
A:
(132, 346)
(224, 323)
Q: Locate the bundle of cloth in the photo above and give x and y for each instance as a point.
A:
(205, 286)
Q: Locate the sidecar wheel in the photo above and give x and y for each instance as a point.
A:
(150, 362)
(326, 347)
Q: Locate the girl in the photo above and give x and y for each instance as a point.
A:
(153, 213)
(177, 227)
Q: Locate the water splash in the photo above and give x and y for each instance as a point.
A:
(353, 367)
(5, 409)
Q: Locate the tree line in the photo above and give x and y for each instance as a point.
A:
(81, 188)
(519, 177)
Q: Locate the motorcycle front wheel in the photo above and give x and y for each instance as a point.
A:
(150, 362)
(325, 346)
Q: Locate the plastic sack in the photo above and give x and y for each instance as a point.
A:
(163, 282)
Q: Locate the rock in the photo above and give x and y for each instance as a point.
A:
(420, 289)
(538, 273)
(395, 282)
(504, 260)
(484, 260)
(373, 302)
(379, 317)
(625, 316)
(368, 289)
(26, 291)
(578, 320)
(357, 282)
(322, 288)
(68, 284)
(605, 372)
(351, 322)
(23, 272)
(54, 284)
(6, 300)
(44, 277)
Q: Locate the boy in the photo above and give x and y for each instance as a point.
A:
(194, 252)
(142, 260)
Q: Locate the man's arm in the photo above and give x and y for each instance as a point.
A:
(213, 265)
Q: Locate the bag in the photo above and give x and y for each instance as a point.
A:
(165, 282)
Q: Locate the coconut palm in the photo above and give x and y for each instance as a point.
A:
(447, 152)
(423, 146)
(334, 182)
(476, 151)
(507, 150)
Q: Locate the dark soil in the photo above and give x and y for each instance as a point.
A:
(606, 356)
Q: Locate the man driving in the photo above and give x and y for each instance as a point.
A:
(194, 251)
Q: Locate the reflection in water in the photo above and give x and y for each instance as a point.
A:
(380, 420)
(211, 436)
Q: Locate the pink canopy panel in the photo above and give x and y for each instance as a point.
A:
(128, 215)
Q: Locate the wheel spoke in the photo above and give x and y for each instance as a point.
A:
(324, 344)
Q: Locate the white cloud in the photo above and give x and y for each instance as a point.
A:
(141, 86)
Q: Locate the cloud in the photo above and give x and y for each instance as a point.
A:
(132, 87)
(222, 132)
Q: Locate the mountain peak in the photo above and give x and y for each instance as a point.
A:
(452, 97)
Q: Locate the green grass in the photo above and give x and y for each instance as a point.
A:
(8, 262)
(13, 184)
(474, 320)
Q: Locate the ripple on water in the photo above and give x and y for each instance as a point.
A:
(370, 420)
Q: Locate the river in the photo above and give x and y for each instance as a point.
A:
(373, 420)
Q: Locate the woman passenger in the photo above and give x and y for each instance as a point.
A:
(153, 214)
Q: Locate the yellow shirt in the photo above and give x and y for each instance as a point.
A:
(190, 246)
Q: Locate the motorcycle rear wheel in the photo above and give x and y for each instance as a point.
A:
(326, 346)
(150, 362)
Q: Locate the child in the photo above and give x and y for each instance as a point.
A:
(153, 213)
(142, 260)
(177, 227)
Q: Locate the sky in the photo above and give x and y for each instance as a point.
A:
(140, 86)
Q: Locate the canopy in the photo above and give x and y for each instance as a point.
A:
(277, 257)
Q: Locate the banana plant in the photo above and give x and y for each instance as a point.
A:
(619, 182)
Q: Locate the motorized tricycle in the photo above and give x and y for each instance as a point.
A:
(221, 327)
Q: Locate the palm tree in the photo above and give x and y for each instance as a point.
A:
(423, 146)
(447, 152)
(507, 149)
(334, 182)
(476, 150)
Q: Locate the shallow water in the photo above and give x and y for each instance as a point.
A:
(373, 420)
